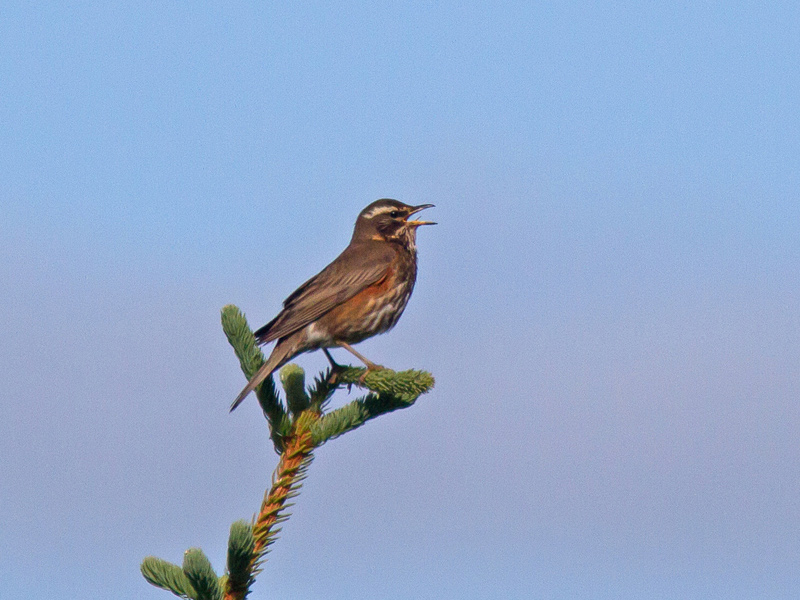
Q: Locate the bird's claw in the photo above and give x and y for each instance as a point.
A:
(370, 367)
(333, 378)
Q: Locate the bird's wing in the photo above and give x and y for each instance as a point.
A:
(359, 266)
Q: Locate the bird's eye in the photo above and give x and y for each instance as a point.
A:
(394, 214)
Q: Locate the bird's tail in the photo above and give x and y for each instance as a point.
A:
(282, 352)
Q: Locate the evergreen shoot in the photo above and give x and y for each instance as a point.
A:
(298, 425)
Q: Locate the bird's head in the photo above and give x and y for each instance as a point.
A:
(388, 220)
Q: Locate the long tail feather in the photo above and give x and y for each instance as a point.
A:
(282, 353)
(264, 372)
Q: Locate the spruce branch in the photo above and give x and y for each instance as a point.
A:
(241, 553)
(353, 415)
(241, 338)
(200, 574)
(295, 433)
(286, 482)
(408, 385)
(168, 576)
(293, 380)
(279, 422)
(322, 390)
(391, 390)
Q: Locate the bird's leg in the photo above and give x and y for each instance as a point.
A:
(334, 365)
(371, 366)
(336, 368)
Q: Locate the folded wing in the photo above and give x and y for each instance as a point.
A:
(359, 266)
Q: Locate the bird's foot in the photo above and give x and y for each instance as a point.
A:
(370, 367)
(336, 368)
(335, 372)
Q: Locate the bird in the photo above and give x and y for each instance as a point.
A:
(360, 294)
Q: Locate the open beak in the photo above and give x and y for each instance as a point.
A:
(415, 210)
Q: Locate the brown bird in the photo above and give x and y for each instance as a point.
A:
(360, 294)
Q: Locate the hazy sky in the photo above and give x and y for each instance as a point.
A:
(610, 302)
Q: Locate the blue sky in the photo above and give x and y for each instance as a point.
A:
(609, 302)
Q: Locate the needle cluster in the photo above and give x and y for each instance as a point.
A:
(298, 424)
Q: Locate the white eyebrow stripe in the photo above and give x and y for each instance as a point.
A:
(379, 210)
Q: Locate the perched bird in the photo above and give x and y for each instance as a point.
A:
(360, 294)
